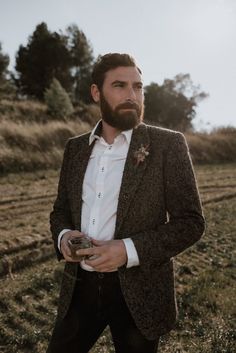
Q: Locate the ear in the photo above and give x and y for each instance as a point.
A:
(95, 93)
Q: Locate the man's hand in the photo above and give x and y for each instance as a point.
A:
(65, 250)
(108, 255)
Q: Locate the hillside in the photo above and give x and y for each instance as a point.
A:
(30, 139)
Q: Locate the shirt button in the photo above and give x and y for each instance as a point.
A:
(99, 195)
(100, 275)
(94, 221)
(102, 170)
(110, 147)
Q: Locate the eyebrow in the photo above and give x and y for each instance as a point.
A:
(117, 81)
(124, 82)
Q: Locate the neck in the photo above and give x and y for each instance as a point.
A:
(109, 133)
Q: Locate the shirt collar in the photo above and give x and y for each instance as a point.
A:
(97, 130)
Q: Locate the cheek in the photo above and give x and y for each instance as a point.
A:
(141, 96)
(115, 101)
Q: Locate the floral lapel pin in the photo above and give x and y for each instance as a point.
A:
(141, 154)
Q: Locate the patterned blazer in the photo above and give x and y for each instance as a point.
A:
(158, 208)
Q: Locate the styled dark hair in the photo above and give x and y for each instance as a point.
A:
(108, 62)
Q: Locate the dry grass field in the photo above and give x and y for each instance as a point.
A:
(30, 275)
(29, 145)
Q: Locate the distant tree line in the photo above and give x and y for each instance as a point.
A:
(55, 67)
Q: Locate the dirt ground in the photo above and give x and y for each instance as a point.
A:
(30, 274)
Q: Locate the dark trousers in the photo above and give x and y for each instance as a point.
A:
(98, 302)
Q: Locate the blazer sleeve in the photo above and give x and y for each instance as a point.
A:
(185, 219)
(60, 217)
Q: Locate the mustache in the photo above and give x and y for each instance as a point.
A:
(128, 105)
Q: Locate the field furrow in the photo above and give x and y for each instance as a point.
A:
(30, 274)
(14, 201)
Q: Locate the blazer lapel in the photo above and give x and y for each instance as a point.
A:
(132, 175)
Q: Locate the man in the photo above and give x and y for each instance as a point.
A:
(131, 188)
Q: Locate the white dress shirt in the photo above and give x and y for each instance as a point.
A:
(101, 187)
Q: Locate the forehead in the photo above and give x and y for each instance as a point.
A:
(124, 74)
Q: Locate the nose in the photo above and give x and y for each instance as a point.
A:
(131, 95)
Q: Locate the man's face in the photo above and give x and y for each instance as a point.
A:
(121, 98)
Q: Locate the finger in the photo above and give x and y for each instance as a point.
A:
(98, 242)
(110, 269)
(76, 233)
(104, 269)
(65, 249)
(69, 258)
(97, 262)
(88, 251)
(66, 252)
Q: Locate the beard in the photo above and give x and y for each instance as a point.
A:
(121, 120)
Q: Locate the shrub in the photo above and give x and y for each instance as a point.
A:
(58, 101)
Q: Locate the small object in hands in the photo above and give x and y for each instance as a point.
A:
(79, 243)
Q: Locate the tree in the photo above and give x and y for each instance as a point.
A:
(6, 85)
(44, 57)
(82, 62)
(67, 57)
(4, 62)
(57, 100)
(172, 105)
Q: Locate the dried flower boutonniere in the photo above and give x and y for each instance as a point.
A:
(141, 154)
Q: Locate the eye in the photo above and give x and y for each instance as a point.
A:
(139, 87)
(118, 84)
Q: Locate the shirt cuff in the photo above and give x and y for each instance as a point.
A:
(60, 236)
(132, 255)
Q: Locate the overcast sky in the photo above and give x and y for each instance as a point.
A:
(166, 37)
